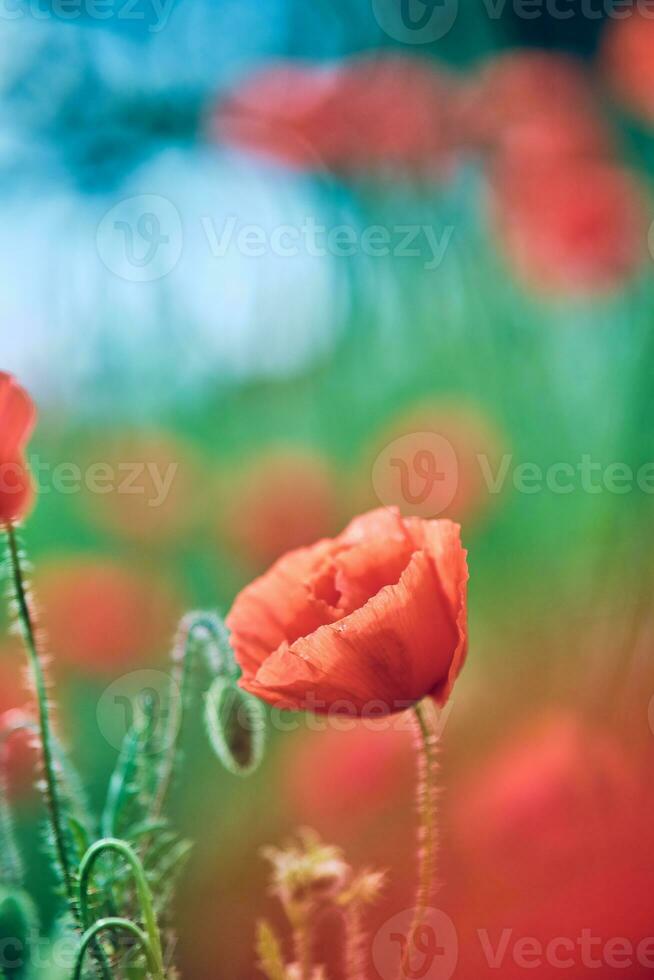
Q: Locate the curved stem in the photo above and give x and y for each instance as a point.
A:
(53, 800)
(91, 936)
(142, 888)
(209, 630)
(427, 835)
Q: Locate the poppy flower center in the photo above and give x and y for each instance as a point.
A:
(324, 587)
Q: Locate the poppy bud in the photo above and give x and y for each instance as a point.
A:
(235, 725)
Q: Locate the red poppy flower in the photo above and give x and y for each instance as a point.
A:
(369, 113)
(627, 61)
(17, 418)
(573, 227)
(366, 623)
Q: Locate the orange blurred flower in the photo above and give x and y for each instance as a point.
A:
(100, 616)
(143, 486)
(433, 460)
(366, 114)
(533, 102)
(557, 781)
(367, 770)
(282, 111)
(366, 623)
(17, 419)
(577, 226)
(554, 840)
(627, 62)
(282, 499)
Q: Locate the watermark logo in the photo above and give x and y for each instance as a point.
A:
(416, 21)
(142, 698)
(140, 239)
(418, 472)
(435, 951)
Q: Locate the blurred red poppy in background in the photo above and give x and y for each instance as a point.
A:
(368, 622)
(16, 705)
(280, 500)
(432, 460)
(574, 227)
(17, 419)
(147, 486)
(515, 97)
(551, 842)
(545, 784)
(101, 617)
(342, 782)
(627, 61)
(372, 113)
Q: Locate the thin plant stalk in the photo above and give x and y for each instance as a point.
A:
(303, 947)
(46, 737)
(426, 745)
(52, 796)
(355, 943)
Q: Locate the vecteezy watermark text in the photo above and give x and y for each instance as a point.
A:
(436, 949)
(144, 478)
(141, 239)
(421, 473)
(401, 241)
(154, 13)
(564, 953)
(126, 699)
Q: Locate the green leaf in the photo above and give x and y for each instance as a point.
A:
(235, 724)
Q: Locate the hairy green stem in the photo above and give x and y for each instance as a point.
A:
(53, 800)
(47, 741)
(142, 889)
(427, 835)
(91, 935)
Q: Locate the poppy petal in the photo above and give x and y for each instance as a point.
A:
(18, 416)
(381, 658)
(278, 607)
